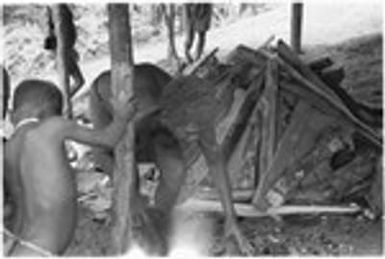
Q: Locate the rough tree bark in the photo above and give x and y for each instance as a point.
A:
(64, 82)
(122, 87)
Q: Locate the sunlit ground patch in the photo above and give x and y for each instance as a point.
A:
(135, 252)
(192, 234)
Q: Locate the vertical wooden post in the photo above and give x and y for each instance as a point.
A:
(61, 54)
(122, 88)
(296, 26)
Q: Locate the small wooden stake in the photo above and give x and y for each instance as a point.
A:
(296, 27)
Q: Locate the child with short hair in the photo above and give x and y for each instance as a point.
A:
(36, 169)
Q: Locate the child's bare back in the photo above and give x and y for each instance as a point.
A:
(37, 172)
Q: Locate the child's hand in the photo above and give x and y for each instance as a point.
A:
(124, 107)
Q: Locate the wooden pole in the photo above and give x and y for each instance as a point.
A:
(122, 89)
(61, 55)
(296, 26)
(250, 211)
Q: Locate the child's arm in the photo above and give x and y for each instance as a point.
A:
(106, 137)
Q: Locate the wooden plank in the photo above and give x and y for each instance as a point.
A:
(292, 60)
(319, 64)
(273, 92)
(284, 155)
(268, 108)
(234, 133)
(244, 54)
(64, 82)
(296, 67)
(371, 116)
(312, 98)
(336, 102)
(333, 76)
(197, 167)
(124, 175)
(241, 164)
(249, 211)
(361, 118)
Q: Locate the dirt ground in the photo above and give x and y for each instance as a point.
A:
(314, 235)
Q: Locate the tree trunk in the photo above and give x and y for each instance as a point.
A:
(64, 82)
(122, 85)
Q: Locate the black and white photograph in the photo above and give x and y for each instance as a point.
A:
(192, 129)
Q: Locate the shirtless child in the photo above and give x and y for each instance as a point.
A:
(37, 171)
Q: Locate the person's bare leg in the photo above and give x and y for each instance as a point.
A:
(169, 160)
(201, 44)
(188, 43)
(76, 74)
(215, 161)
(170, 23)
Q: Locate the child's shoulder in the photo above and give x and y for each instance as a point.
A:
(46, 128)
(54, 123)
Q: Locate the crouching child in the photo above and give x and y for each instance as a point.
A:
(37, 171)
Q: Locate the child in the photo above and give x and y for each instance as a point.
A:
(41, 181)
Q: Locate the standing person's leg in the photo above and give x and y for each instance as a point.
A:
(188, 43)
(69, 45)
(202, 25)
(169, 160)
(201, 44)
(154, 222)
(189, 26)
(74, 72)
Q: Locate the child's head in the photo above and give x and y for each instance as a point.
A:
(36, 98)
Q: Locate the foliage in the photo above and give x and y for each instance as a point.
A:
(26, 27)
